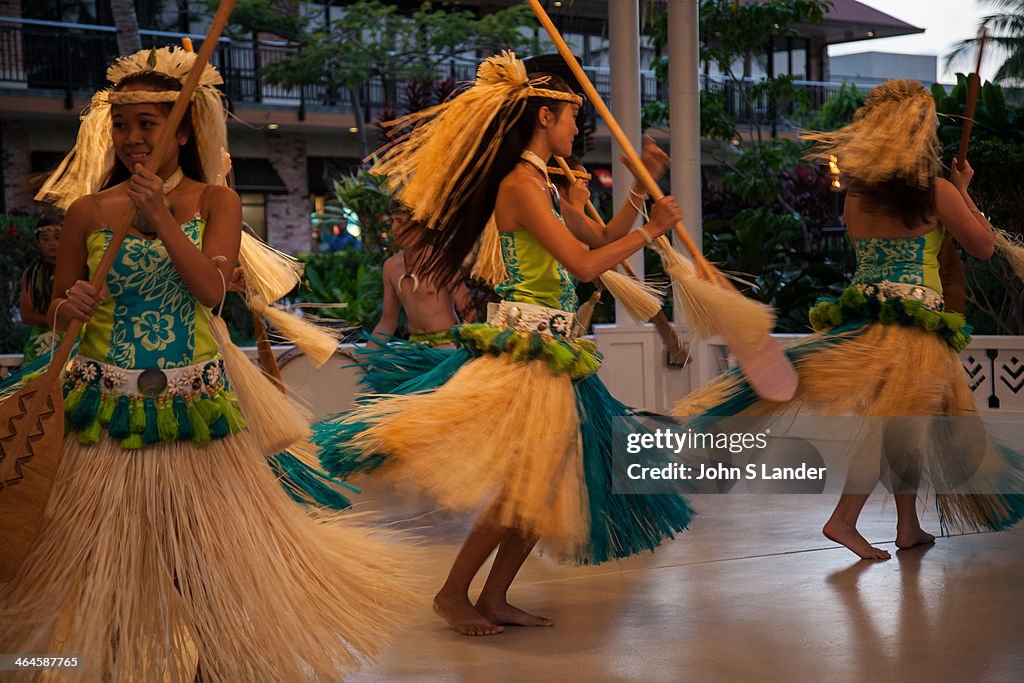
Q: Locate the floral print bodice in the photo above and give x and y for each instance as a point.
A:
(151, 319)
(908, 260)
(534, 276)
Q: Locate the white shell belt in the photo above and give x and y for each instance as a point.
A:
(523, 317)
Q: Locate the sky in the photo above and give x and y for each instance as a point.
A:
(945, 22)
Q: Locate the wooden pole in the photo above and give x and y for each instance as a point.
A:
(677, 351)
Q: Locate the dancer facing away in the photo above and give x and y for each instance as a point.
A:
(36, 289)
(431, 308)
(169, 551)
(520, 434)
(887, 347)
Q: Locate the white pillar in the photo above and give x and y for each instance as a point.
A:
(624, 40)
(684, 107)
(684, 132)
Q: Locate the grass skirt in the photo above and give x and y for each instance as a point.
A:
(149, 562)
(394, 367)
(304, 481)
(511, 437)
(884, 370)
(399, 368)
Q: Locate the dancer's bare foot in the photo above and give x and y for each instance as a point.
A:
(460, 614)
(908, 538)
(849, 536)
(504, 613)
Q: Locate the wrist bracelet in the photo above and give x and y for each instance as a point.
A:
(648, 240)
(638, 195)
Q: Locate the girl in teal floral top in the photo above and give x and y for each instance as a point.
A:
(887, 348)
(169, 551)
(520, 434)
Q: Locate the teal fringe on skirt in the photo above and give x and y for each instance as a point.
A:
(303, 484)
(620, 525)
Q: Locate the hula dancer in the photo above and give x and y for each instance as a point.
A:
(36, 289)
(169, 551)
(887, 348)
(520, 434)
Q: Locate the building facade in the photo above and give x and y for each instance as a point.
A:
(289, 143)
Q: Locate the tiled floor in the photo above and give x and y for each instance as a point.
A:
(752, 592)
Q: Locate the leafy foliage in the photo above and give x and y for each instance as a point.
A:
(374, 39)
(351, 276)
(1006, 36)
(18, 253)
(838, 110)
(367, 196)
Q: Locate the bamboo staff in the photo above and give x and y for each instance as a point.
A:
(951, 269)
(713, 302)
(32, 421)
(973, 89)
(677, 352)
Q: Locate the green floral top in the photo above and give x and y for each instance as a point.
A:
(534, 276)
(910, 260)
(906, 260)
(151, 319)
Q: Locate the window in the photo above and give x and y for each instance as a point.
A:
(254, 212)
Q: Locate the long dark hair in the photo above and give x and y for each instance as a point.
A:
(449, 244)
(188, 155)
(911, 204)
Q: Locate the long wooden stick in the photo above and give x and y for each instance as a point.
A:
(264, 351)
(769, 371)
(704, 268)
(973, 89)
(677, 351)
(164, 147)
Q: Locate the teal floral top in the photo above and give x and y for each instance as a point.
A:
(151, 323)
(909, 260)
(151, 319)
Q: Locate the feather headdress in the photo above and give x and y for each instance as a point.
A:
(89, 164)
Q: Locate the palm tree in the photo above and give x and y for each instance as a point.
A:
(127, 24)
(1005, 33)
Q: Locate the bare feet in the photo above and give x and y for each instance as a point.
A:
(908, 538)
(849, 536)
(504, 613)
(463, 617)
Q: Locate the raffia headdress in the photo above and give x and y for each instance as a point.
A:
(89, 164)
(444, 142)
(893, 136)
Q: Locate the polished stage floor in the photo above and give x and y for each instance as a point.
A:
(752, 592)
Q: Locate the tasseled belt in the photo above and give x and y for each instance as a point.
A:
(139, 407)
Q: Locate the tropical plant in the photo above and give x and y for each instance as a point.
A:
(18, 253)
(365, 195)
(994, 119)
(353, 277)
(838, 110)
(995, 296)
(1005, 33)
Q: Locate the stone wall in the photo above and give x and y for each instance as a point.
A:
(17, 165)
(288, 226)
